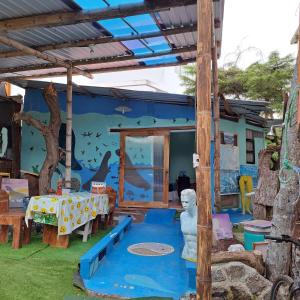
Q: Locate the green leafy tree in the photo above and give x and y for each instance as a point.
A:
(232, 82)
(188, 79)
(260, 81)
(269, 81)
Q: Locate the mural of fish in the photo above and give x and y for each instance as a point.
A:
(135, 178)
(101, 173)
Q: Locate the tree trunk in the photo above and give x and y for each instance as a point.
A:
(51, 135)
(284, 211)
(251, 259)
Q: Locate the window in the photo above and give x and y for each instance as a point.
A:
(250, 147)
(228, 138)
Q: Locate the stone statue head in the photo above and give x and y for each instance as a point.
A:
(188, 199)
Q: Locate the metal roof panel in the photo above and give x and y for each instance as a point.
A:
(21, 8)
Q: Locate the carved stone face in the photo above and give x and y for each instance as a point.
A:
(188, 199)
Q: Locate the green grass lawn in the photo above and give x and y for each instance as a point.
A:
(38, 272)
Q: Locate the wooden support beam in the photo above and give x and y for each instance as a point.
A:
(216, 114)
(99, 60)
(69, 130)
(102, 40)
(298, 79)
(217, 140)
(104, 70)
(54, 60)
(203, 135)
(66, 18)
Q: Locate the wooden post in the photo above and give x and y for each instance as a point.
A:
(69, 129)
(218, 204)
(298, 78)
(203, 132)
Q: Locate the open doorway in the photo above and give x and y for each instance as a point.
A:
(182, 173)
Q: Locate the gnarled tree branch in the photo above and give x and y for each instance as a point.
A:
(51, 135)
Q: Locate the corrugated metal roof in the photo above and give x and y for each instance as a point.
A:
(102, 50)
(183, 39)
(20, 61)
(248, 108)
(22, 8)
(173, 18)
(43, 36)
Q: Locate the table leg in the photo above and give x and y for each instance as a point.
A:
(3, 234)
(17, 233)
(106, 219)
(27, 232)
(96, 224)
(51, 237)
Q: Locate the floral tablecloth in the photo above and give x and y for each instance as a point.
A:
(71, 211)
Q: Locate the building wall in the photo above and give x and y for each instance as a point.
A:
(95, 153)
(95, 150)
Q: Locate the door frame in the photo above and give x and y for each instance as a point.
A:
(145, 132)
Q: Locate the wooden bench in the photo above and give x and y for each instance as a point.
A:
(21, 233)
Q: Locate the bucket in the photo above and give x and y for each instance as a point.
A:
(253, 235)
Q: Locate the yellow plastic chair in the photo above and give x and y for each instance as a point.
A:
(246, 186)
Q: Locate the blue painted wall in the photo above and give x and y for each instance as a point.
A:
(95, 151)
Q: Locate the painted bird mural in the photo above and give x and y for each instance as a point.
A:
(62, 144)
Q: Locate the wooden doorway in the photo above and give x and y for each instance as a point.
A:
(144, 168)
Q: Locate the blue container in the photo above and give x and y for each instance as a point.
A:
(251, 237)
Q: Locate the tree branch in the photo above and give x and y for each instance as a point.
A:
(29, 120)
(51, 99)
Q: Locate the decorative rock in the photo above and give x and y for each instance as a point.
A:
(237, 281)
(220, 292)
(217, 274)
(239, 292)
(256, 283)
(235, 271)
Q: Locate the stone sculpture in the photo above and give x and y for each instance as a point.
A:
(188, 220)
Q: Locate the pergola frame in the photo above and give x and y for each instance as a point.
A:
(207, 52)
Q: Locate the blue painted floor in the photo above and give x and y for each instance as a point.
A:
(127, 275)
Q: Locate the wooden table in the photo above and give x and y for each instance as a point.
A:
(70, 212)
(21, 233)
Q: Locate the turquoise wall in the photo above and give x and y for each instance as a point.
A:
(240, 129)
(95, 151)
